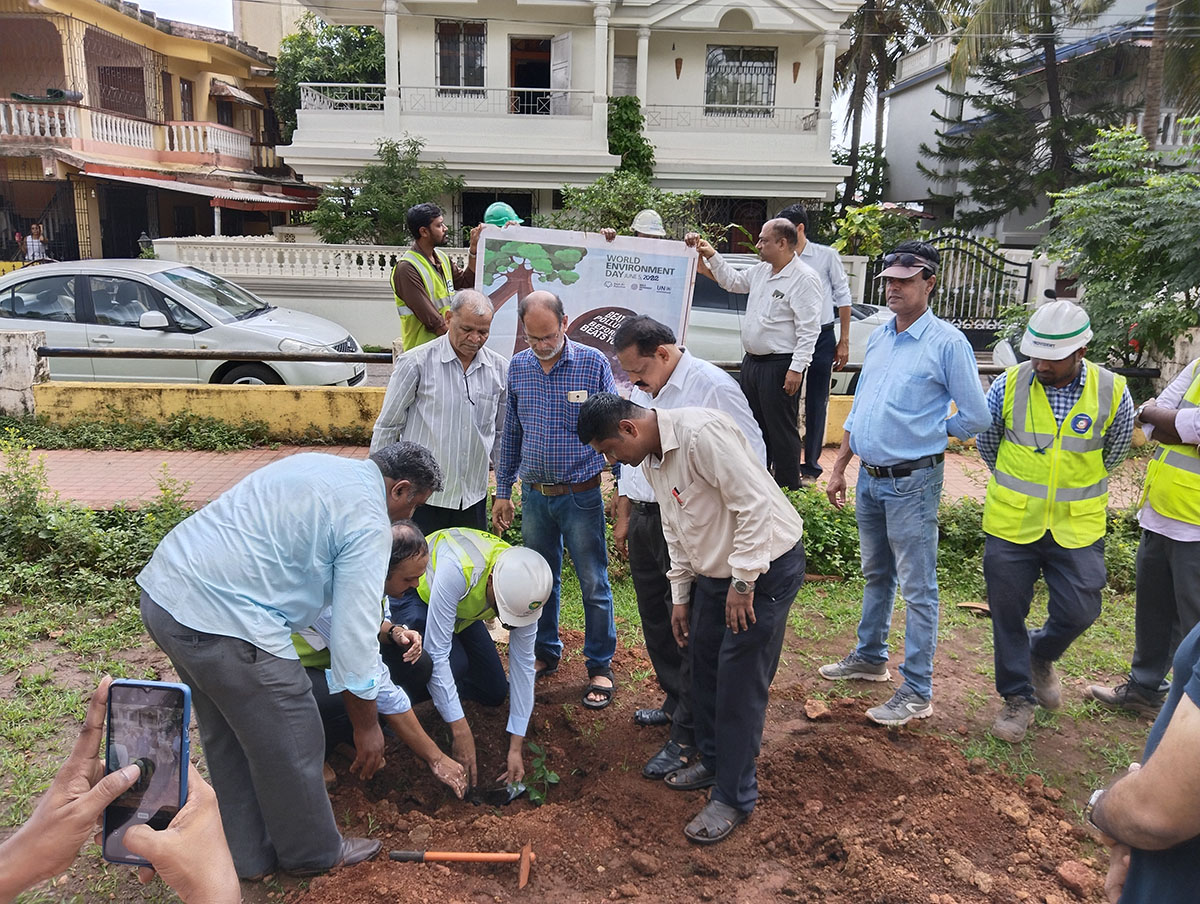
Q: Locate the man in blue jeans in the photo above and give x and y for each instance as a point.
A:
(914, 367)
(560, 481)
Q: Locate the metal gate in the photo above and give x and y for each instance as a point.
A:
(975, 282)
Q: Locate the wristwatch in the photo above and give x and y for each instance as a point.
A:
(1091, 806)
(1137, 414)
(743, 587)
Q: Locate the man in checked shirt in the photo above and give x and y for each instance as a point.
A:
(1060, 424)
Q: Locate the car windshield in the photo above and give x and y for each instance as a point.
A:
(218, 297)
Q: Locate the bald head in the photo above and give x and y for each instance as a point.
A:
(541, 299)
(777, 242)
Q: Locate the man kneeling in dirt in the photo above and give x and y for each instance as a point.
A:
(473, 576)
(737, 562)
(404, 668)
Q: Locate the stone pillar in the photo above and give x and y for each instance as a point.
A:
(643, 64)
(601, 11)
(391, 69)
(20, 369)
(824, 123)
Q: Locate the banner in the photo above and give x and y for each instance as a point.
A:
(600, 283)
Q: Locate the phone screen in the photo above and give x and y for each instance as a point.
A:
(147, 725)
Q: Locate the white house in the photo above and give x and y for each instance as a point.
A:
(512, 95)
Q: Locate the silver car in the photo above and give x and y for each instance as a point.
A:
(104, 304)
(714, 330)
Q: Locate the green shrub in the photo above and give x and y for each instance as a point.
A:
(830, 534)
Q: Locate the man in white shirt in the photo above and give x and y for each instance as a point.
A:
(1168, 556)
(665, 376)
(737, 562)
(779, 333)
(828, 355)
(449, 396)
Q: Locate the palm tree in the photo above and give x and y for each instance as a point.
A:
(883, 32)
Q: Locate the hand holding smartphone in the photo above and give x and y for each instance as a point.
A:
(147, 726)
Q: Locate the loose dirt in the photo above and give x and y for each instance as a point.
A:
(848, 812)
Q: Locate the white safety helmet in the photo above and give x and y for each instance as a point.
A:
(648, 222)
(1056, 330)
(521, 581)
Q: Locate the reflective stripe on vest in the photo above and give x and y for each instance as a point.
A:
(1056, 480)
(1173, 476)
(437, 282)
(477, 552)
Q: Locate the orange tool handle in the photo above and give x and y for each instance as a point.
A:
(458, 856)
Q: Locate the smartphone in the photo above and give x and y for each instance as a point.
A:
(147, 725)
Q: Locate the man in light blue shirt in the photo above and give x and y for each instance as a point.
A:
(828, 355)
(222, 595)
(914, 367)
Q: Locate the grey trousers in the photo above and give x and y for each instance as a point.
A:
(1168, 604)
(263, 742)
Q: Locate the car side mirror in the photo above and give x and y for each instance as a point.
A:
(153, 320)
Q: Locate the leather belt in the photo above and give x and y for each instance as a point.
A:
(904, 468)
(561, 489)
(646, 508)
(826, 327)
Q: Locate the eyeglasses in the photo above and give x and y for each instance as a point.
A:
(908, 259)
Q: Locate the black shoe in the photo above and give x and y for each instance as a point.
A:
(354, 850)
(671, 758)
(1129, 696)
(655, 716)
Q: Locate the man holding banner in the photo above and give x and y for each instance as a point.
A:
(424, 278)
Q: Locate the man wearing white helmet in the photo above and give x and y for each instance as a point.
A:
(472, 576)
(1060, 424)
(648, 224)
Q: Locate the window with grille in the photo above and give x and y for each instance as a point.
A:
(739, 81)
(187, 103)
(460, 54)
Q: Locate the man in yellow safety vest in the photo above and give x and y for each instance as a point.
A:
(424, 278)
(1060, 424)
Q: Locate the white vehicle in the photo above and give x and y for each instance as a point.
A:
(105, 304)
(714, 330)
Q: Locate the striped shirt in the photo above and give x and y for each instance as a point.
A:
(1062, 400)
(538, 442)
(455, 414)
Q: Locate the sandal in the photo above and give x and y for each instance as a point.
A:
(691, 777)
(714, 823)
(605, 692)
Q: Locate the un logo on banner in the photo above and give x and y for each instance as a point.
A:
(1081, 423)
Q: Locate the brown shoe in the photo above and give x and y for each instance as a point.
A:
(354, 850)
(1046, 686)
(1129, 696)
(1014, 720)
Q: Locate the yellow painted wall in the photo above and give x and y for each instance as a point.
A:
(285, 409)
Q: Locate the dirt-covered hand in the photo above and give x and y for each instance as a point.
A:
(462, 748)
(451, 774)
(679, 623)
(739, 610)
(191, 854)
(516, 768)
(368, 751)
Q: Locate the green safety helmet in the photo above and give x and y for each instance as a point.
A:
(501, 214)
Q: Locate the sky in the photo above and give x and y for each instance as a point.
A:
(214, 13)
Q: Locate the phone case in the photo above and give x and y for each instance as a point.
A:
(184, 759)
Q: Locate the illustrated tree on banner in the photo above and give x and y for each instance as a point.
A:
(520, 261)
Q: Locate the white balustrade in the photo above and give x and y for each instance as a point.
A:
(207, 138)
(48, 121)
(112, 129)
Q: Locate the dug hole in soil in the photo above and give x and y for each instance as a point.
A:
(848, 812)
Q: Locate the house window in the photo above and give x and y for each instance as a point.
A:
(739, 81)
(460, 53)
(225, 113)
(187, 107)
(168, 98)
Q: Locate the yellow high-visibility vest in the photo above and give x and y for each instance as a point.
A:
(1173, 476)
(477, 553)
(1050, 477)
(439, 285)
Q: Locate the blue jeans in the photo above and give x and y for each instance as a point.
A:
(576, 519)
(898, 535)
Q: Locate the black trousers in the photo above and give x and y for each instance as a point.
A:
(432, 518)
(648, 564)
(338, 729)
(732, 673)
(816, 401)
(777, 413)
(1074, 579)
(1168, 604)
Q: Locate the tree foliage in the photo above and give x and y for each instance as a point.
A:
(872, 229)
(1017, 147)
(317, 52)
(626, 138)
(370, 207)
(1130, 235)
(613, 201)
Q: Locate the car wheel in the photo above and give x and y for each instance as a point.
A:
(252, 375)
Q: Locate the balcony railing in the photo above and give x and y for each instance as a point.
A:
(40, 121)
(113, 129)
(1171, 134)
(728, 117)
(450, 101)
(207, 138)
